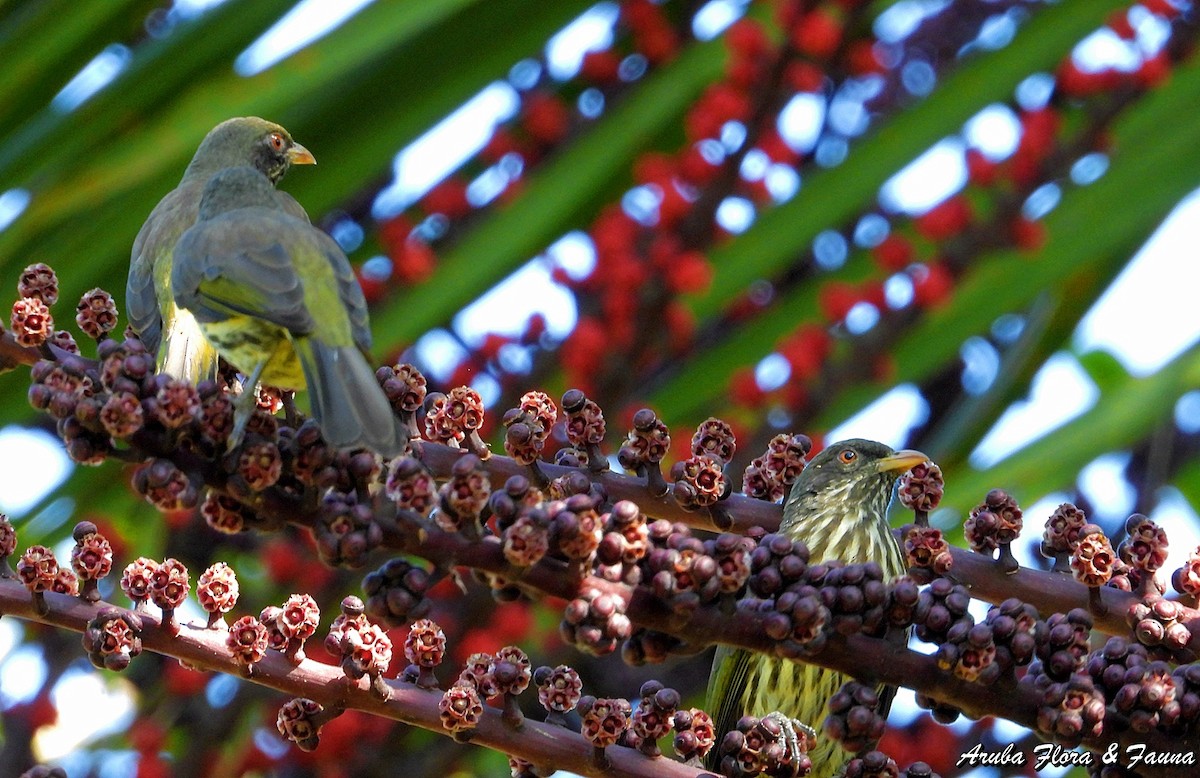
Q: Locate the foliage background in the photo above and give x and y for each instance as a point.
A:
(678, 310)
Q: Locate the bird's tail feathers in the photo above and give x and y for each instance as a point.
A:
(346, 399)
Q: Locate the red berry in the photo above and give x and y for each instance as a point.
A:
(775, 147)
(721, 103)
(1028, 234)
(806, 350)
(546, 117)
(654, 168)
(1077, 83)
(147, 736)
(180, 681)
(817, 34)
(695, 168)
(584, 348)
(1038, 129)
(689, 272)
(673, 206)
(804, 76)
(283, 564)
(1118, 22)
(394, 231)
(747, 38)
(864, 59)
(613, 231)
(659, 44)
(932, 285)
(448, 198)
(874, 293)
(681, 326)
(837, 298)
(413, 262)
(1153, 71)
(944, 220)
(795, 395)
(744, 389)
(1161, 7)
(601, 67)
(980, 169)
(500, 144)
(894, 253)
(373, 288)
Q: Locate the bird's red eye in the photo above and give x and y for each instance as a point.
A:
(847, 456)
(277, 141)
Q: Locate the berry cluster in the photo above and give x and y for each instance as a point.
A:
(768, 476)
(854, 719)
(613, 550)
(995, 524)
(926, 551)
(364, 647)
(772, 745)
(290, 625)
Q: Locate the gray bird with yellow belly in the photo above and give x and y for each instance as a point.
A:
(838, 507)
(279, 301)
(170, 334)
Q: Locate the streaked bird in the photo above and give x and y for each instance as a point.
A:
(168, 333)
(278, 299)
(838, 507)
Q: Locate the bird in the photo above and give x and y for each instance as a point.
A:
(172, 336)
(280, 302)
(838, 507)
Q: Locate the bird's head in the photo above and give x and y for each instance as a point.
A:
(848, 483)
(249, 140)
(235, 187)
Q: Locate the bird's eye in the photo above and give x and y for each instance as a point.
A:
(847, 456)
(277, 142)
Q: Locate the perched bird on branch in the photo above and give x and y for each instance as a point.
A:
(173, 336)
(838, 507)
(279, 301)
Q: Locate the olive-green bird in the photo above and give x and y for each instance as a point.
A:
(838, 507)
(278, 299)
(170, 334)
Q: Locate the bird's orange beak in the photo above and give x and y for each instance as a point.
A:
(298, 155)
(901, 461)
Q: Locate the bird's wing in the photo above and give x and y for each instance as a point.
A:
(349, 291)
(241, 263)
(727, 683)
(141, 303)
(151, 257)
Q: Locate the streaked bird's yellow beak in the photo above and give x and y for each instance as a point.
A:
(901, 461)
(298, 155)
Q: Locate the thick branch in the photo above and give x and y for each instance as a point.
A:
(746, 512)
(328, 685)
(871, 659)
(13, 354)
(1049, 592)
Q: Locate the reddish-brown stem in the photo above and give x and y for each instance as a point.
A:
(89, 592)
(205, 649)
(13, 354)
(511, 715)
